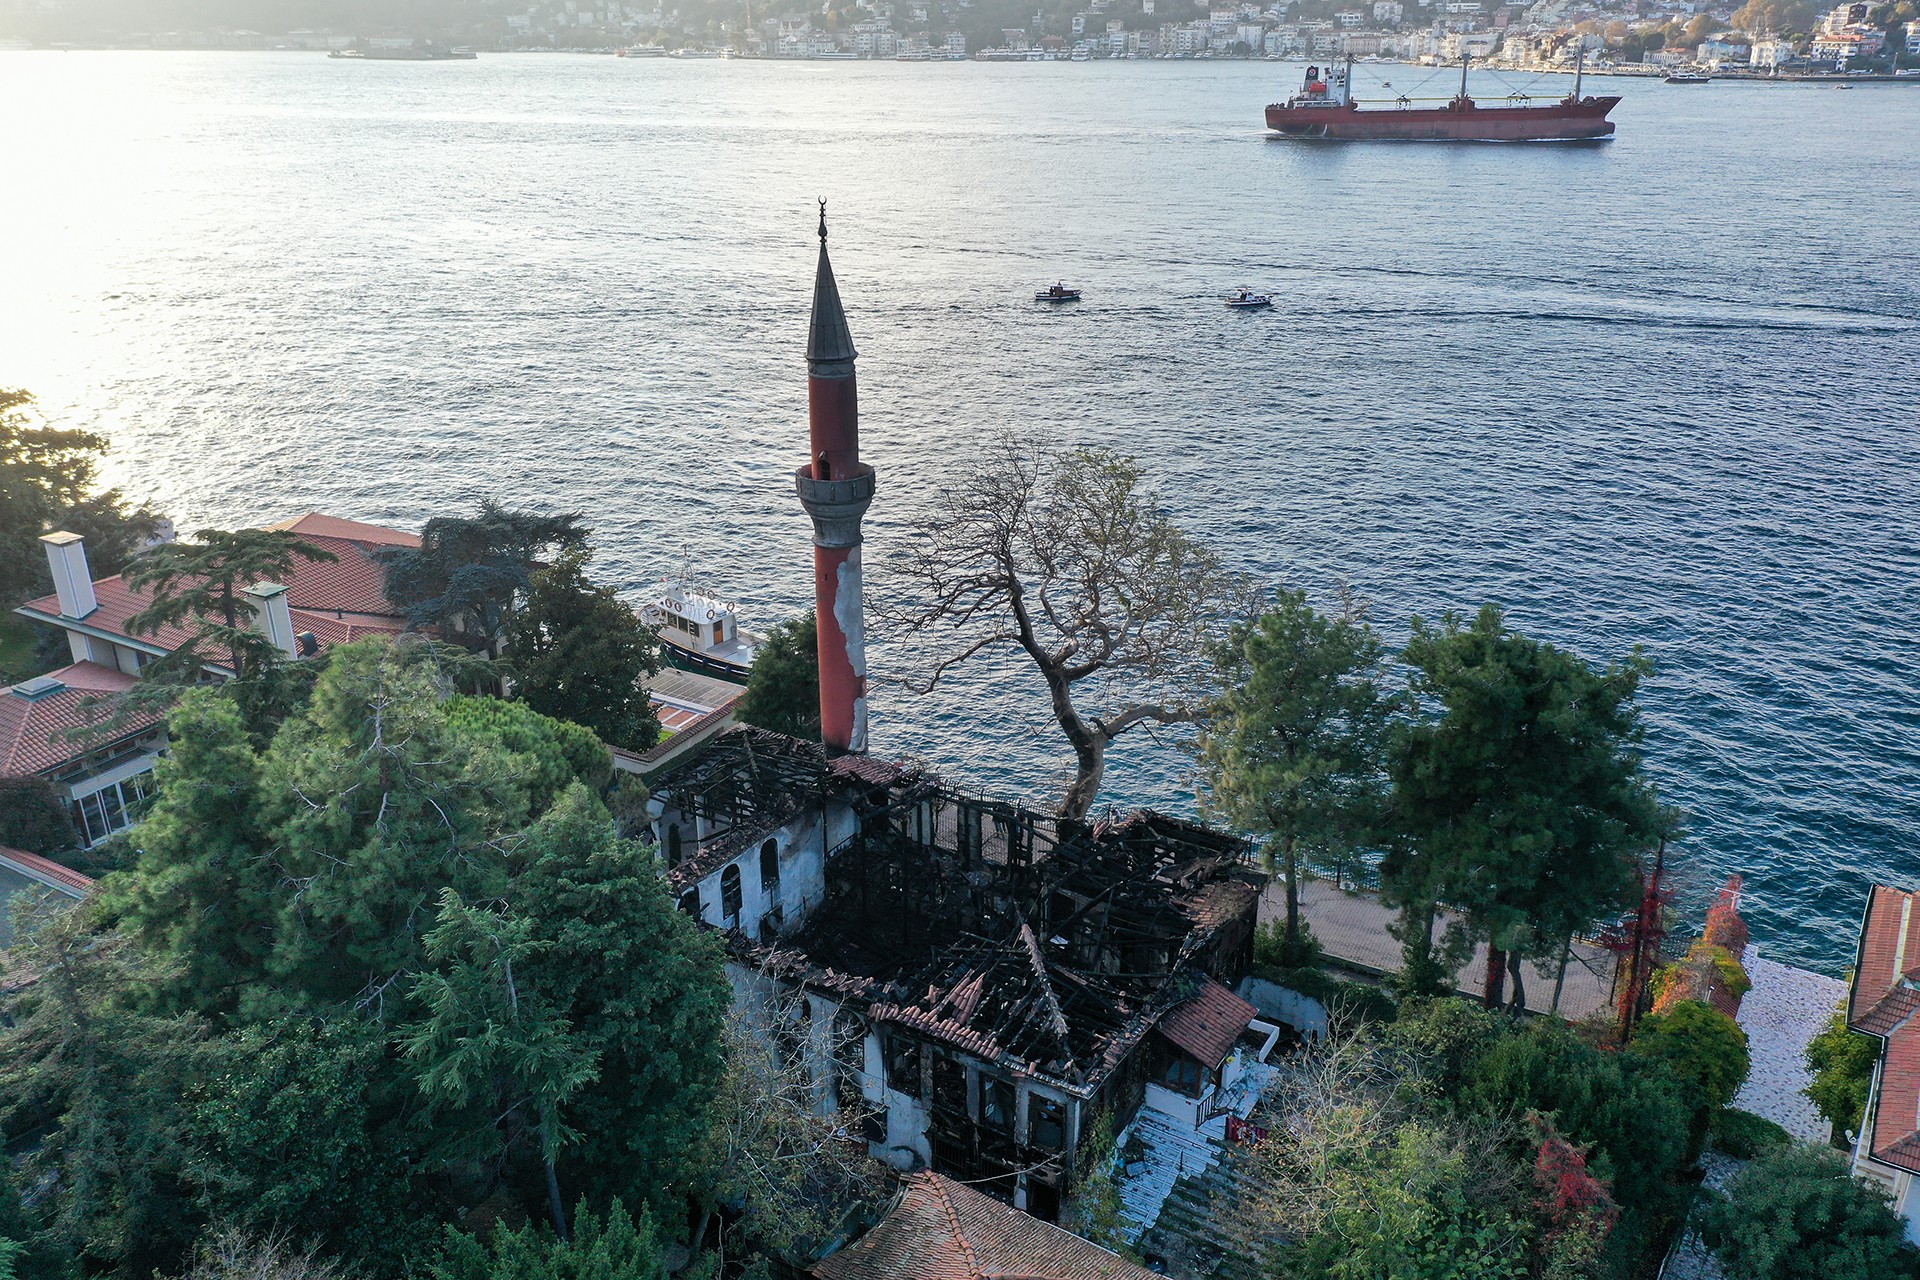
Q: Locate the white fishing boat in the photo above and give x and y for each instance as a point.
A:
(700, 632)
(1057, 293)
(1245, 299)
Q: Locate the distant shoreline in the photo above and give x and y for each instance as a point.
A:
(1742, 75)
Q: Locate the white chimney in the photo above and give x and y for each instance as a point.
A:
(72, 580)
(271, 617)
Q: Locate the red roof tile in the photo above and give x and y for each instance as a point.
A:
(351, 583)
(1884, 1001)
(33, 727)
(1895, 1138)
(1889, 948)
(35, 867)
(943, 1230)
(1207, 1024)
(117, 603)
(315, 525)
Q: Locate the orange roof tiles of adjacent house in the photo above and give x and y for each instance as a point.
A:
(46, 871)
(1884, 1001)
(940, 1229)
(320, 595)
(37, 715)
(352, 583)
(1208, 1023)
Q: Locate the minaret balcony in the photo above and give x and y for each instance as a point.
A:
(836, 506)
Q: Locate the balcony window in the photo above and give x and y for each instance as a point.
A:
(111, 808)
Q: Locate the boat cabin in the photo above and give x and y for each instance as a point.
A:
(693, 619)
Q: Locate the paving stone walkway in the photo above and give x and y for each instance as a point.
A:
(1352, 928)
(1786, 1008)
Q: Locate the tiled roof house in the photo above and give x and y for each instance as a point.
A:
(1884, 1002)
(59, 726)
(940, 1229)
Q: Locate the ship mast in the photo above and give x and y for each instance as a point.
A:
(1465, 58)
(1579, 65)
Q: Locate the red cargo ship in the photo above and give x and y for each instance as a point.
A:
(1325, 108)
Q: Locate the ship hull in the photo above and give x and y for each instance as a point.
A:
(1582, 121)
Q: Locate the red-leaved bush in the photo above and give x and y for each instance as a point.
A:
(1571, 1199)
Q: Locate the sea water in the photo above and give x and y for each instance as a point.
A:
(1661, 391)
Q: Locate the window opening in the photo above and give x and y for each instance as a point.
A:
(730, 897)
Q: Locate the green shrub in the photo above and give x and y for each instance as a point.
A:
(1795, 1214)
(1744, 1135)
(1842, 1065)
(1705, 1049)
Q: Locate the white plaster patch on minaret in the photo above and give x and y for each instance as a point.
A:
(850, 613)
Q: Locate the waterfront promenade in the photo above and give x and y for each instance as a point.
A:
(1352, 929)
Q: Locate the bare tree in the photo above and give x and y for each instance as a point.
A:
(1358, 1158)
(1067, 556)
(234, 1255)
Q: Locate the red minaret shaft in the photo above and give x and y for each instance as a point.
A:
(835, 488)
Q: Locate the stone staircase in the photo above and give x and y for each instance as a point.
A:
(1199, 1233)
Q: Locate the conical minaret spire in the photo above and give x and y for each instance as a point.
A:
(835, 488)
(829, 341)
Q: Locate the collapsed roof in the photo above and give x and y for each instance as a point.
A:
(1049, 947)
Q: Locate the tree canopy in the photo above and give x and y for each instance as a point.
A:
(1293, 750)
(470, 573)
(199, 587)
(1842, 1062)
(579, 654)
(395, 963)
(1521, 802)
(1795, 1213)
(47, 482)
(1067, 557)
(783, 687)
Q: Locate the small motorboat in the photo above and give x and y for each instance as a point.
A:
(1245, 299)
(1057, 293)
(1688, 77)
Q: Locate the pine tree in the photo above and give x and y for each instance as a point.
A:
(79, 1055)
(1521, 803)
(1294, 748)
(202, 892)
(644, 986)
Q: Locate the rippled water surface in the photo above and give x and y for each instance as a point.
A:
(1663, 390)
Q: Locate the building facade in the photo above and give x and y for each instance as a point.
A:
(1884, 1002)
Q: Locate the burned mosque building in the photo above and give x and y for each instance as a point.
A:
(979, 983)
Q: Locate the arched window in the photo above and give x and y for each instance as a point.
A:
(690, 902)
(730, 893)
(770, 867)
(673, 845)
